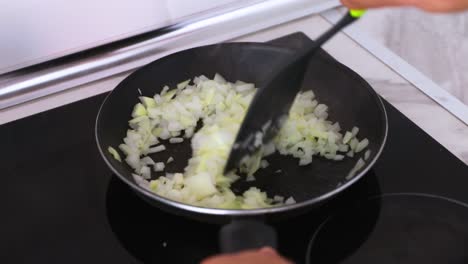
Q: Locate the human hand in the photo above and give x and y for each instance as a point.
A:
(263, 256)
(439, 6)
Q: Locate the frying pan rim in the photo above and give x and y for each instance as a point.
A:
(247, 212)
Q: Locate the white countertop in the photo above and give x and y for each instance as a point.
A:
(417, 106)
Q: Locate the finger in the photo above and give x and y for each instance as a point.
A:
(268, 250)
(262, 256)
(442, 6)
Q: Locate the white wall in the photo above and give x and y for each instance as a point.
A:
(33, 31)
(436, 44)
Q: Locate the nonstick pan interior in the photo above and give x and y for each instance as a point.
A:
(351, 101)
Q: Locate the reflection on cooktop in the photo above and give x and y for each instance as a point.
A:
(155, 236)
(394, 228)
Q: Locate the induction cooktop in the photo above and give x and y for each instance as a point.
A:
(61, 204)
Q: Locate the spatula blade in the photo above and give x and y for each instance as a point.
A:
(268, 110)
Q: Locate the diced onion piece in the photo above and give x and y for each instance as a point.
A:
(159, 166)
(156, 149)
(125, 149)
(359, 165)
(164, 90)
(343, 148)
(264, 164)
(176, 140)
(133, 160)
(148, 102)
(290, 200)
(219, 79)
(147, 161)
(347, 137)
(305, 161)
(201, 185)
(355, 131)
(114, 153)
(145, 172)
(353, 144)
(189, 132)
(183, 84)
(139, 110)
(141, 182)
(367, 154)
(170, 159)
(278, 198)
(362, 145)
(258, 139)
(244, 87)
(250, 178)
(254, 198)
(339, 157)
(158, 99)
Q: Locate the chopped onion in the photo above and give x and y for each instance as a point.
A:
(219, 107)
(148, 102)
(219, 79)
(114, 153)
(250, 178)
(362, 145)
(182, 85)
(339, 157)
(145, 172)
(139, 110)
(176, 140)
(353, 144)
(290, 200)
(264, 164)
(159, 166)
(156, 149)
(347, 137)
(164, 90)
(367, 154)
(141, 182)
(359, 165)
(279, 199)
(147, 161)
(244, 87)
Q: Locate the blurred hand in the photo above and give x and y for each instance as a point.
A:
(427, 5)
(262, 256)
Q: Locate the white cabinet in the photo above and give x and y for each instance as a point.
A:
(33, 31)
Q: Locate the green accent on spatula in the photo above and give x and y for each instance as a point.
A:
(357, 13)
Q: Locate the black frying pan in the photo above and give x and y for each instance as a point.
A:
(350, 99)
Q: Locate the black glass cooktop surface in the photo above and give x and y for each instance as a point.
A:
(394, 228)
(61, 204)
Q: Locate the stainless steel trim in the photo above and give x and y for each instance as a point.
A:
(35, 82)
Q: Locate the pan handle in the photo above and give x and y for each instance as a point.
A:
(242, 235)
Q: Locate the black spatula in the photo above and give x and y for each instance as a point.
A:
(270, 105)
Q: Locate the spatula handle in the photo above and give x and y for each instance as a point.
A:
(350, 17)
(242, 235)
